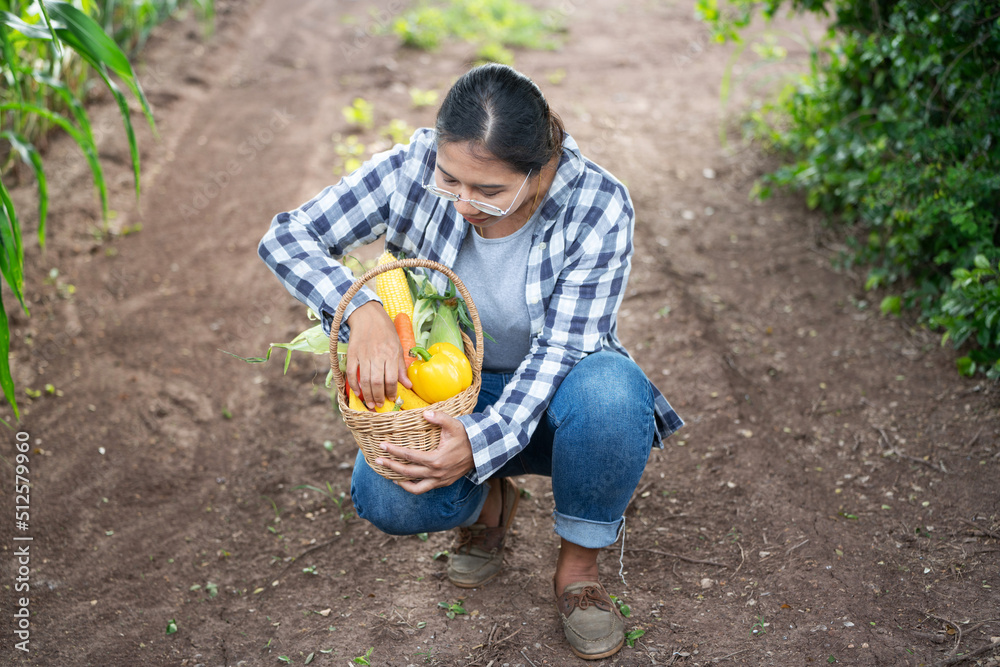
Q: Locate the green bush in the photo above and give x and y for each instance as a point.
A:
(893, 132)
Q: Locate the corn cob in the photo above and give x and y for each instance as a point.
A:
(410, 398)
(393, 289)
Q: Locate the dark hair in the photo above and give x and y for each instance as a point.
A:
(503, 113)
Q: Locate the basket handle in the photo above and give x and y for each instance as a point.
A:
(338, 317)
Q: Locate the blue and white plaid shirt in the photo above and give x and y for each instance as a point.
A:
(578, 268)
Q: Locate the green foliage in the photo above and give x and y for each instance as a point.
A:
(492, 25)
(423, 98)
(971, 309)
(893, 132)
(452, 609)
(398, 131)
(623, 608)
(360, 114)
(632, 635)
(131, 22)
(50, 50)
(364, 659)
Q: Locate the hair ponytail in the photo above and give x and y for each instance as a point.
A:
(503, 114)
(557, 132)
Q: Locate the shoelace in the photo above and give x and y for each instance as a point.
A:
(589, 595)
(621, 556)
(466, 537)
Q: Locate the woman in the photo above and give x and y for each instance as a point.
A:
(542, 238)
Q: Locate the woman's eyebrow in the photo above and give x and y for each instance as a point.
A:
(475, 185)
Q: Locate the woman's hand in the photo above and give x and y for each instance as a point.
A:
(436, 468)
(374, 355)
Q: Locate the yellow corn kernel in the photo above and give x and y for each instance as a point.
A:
(410, 398)
(354, 403)
(393, 290)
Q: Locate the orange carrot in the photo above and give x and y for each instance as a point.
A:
(404, 329)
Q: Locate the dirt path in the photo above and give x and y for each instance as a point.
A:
(833, 497)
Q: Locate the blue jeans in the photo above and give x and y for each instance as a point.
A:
(593, 441)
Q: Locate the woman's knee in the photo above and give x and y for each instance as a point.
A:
(373, 501)
(396, 511)
(606, 393)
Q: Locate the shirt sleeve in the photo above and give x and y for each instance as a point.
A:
(302, 247)
(579, 317)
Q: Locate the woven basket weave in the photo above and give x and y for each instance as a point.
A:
(406, 428)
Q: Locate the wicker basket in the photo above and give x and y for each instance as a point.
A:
(407, 428)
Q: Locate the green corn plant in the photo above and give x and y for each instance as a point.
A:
(49, 50)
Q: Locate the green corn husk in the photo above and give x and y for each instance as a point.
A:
(445, 327)
(312, 340)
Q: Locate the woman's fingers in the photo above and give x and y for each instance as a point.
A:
(453, 435)
(436, 468)
(419, 476)
(374, 356)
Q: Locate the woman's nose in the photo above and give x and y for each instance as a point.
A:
(466, 209)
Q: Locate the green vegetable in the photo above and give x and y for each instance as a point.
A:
(424, 312)
(445, 327)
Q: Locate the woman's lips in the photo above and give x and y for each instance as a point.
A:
(476, 220)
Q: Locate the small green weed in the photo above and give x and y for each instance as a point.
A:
(364, 659)
(491, 25)
(360, 114)
(274, 508)
(423, 98)
(625, 610)
(350, 151)
(398, 131)
(452, 609)
(632, 635)
(331, 495)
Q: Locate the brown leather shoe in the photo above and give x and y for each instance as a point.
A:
(477, 554)
(591, 622)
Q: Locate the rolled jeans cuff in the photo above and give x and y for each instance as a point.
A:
(585, 533)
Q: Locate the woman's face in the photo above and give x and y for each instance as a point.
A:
(470, 175)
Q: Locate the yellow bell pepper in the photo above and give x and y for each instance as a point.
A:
(440, 372)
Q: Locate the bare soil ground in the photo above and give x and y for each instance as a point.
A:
(833, 498)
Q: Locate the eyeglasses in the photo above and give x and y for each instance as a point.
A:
(482, 206)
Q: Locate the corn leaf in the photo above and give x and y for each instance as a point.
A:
(30, 156)
(90, 145)
(82, 139)
(12, 252)
(52, 29)
(127, 122)
(89, 40)
(313, 340)
(10, 56)
(6, 380)
(29, 30)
